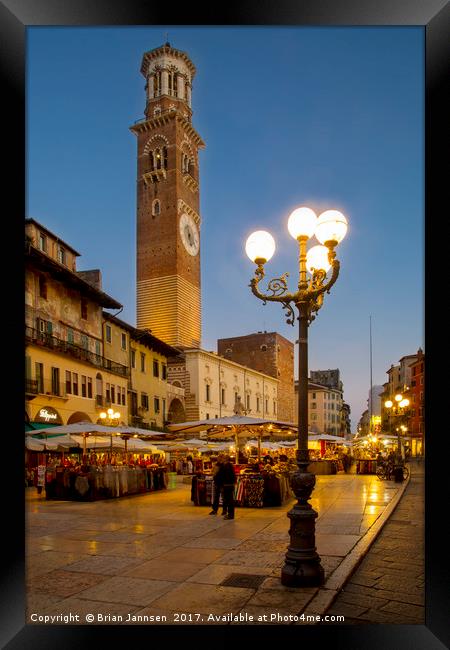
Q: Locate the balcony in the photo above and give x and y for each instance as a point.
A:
(35, 387)
(77, 352)
(100, 400)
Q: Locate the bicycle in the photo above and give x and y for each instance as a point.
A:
(385, 471)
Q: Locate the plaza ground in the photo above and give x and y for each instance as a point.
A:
(159, 555)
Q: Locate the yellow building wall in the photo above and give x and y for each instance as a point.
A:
(67, 406)
(145, 382)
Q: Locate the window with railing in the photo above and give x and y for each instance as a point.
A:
(43, 336)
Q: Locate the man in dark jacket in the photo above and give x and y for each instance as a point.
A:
(228, 479)
(218, 485)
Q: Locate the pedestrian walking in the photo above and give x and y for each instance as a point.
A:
(346, 462)
(229, 479)
(218, 485)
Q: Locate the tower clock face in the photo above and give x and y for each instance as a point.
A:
(189, 234)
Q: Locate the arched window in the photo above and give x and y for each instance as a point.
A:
(157, 84)
(158, 158)
(156, 208)
(165, 157)
(173, 83)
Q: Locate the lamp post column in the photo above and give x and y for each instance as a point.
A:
(302, 415)
(302, 563)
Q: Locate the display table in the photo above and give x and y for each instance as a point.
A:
(322, 467)
(102, 482)
(366, 466)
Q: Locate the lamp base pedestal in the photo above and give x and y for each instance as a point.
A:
(302, 567)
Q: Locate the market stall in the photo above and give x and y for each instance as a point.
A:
(367, 449)
(87, 465)
(257, 484)
(326, 453)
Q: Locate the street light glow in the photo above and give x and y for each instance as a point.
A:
(260, 245)
(331, 226)
(302, 223)
(317, 259)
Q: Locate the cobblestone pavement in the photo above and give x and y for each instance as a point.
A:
(159, 555)
(388, 586)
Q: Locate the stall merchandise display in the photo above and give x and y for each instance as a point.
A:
(202, 489)
(269, 487)
(93, 482)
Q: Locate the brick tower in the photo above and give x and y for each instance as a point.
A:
(168, 220)
(267, 352)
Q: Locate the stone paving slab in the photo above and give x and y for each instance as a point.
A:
(204, 598)
(214, 574)
(127, 590)
(104, 564)
(63, 583)
(173, 571)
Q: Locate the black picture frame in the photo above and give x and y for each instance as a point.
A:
(15, 17)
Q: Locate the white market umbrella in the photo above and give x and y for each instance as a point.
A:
(34, 445)
(77, 427)
(235, 426)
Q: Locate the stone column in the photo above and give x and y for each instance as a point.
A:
(180, 87)
(151, 87)
(165, 82)
(188, 94)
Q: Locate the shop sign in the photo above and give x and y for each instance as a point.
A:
(48, 414)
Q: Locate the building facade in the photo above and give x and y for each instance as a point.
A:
(168, 207)
(417, 415)
(213, 384)
(271, 354)
(325, 409)
(67, 368)
(400, 381)
(149, 396)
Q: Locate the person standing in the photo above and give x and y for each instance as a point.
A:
(229, 479)
(218, 484)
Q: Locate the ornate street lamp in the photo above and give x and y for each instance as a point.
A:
(110, 418)
(302, 567)
(397, 409)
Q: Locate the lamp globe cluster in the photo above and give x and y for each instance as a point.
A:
(329, 229)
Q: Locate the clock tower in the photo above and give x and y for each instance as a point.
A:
(168, 219)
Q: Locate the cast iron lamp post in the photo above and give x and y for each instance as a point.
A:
(302, 566)
(397, 408)
(110, 418)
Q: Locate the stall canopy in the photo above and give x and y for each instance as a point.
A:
(236, 426)
(327, 437)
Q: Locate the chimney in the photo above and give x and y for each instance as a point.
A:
(92, 277)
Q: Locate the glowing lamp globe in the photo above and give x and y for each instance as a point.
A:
(317, 259)
(398, 398)
(260, 246)
(388, 404)
(302, 223)
(331, 227)
(404, 403)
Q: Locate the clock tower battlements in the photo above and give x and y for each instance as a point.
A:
(168, 219)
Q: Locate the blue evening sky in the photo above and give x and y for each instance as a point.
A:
(324, 117)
